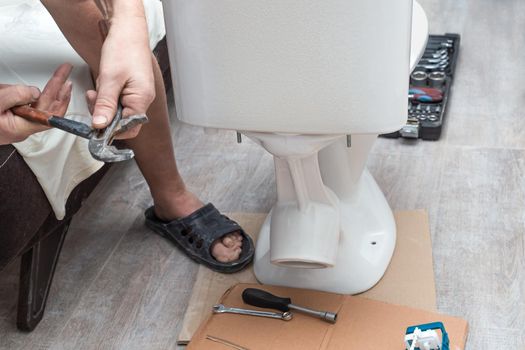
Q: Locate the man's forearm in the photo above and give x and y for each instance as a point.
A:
(122, 62)
(121, 8)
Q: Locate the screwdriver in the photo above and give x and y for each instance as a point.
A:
(261, 298)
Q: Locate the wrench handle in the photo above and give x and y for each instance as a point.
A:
(261, 298)
(32, 114)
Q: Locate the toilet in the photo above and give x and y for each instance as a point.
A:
(312, 82)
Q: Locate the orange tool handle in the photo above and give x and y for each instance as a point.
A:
(32, 114)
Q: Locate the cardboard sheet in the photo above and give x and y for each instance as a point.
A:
(408, 281)
(361, 324)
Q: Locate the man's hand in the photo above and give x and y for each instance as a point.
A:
(54, 98)
(125, 72)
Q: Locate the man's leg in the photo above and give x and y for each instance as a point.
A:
(153, 147)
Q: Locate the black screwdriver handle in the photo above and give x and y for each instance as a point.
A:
(261, 298)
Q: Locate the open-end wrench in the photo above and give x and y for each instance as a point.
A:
(221, 309)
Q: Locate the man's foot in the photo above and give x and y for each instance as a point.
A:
(226, 249)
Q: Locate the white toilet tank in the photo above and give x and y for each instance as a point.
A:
(295, 66)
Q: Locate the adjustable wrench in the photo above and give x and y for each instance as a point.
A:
(100, 143)
(99, 140)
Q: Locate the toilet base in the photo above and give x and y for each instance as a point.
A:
(366, 245)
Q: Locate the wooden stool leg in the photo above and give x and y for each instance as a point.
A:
(36, 275)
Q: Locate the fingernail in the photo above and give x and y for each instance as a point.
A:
(100, 120)
(35, 93)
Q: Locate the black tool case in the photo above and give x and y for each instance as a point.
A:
(435, 70)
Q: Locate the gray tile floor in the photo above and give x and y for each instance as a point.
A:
(118, 286)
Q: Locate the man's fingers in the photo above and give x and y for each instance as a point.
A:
(106, 103)
(137, 102)
(59, 106)
(27, 127)
(64, 94)
(16, 95)
(129, 134)
(54, 86)
(91, 98)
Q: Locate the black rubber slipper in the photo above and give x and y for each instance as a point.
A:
(195, 233)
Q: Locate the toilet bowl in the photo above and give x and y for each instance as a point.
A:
(313, 82)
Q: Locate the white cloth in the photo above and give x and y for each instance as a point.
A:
(31, 48)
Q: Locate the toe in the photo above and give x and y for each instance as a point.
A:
(226, 250)
(225, 255)
(236, 239)
(237, 244)
(228, 241)
(234, 254)
(231, 239)
(237, 235)
(220, 252)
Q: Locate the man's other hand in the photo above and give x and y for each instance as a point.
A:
(54, 98)
(125, 73)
